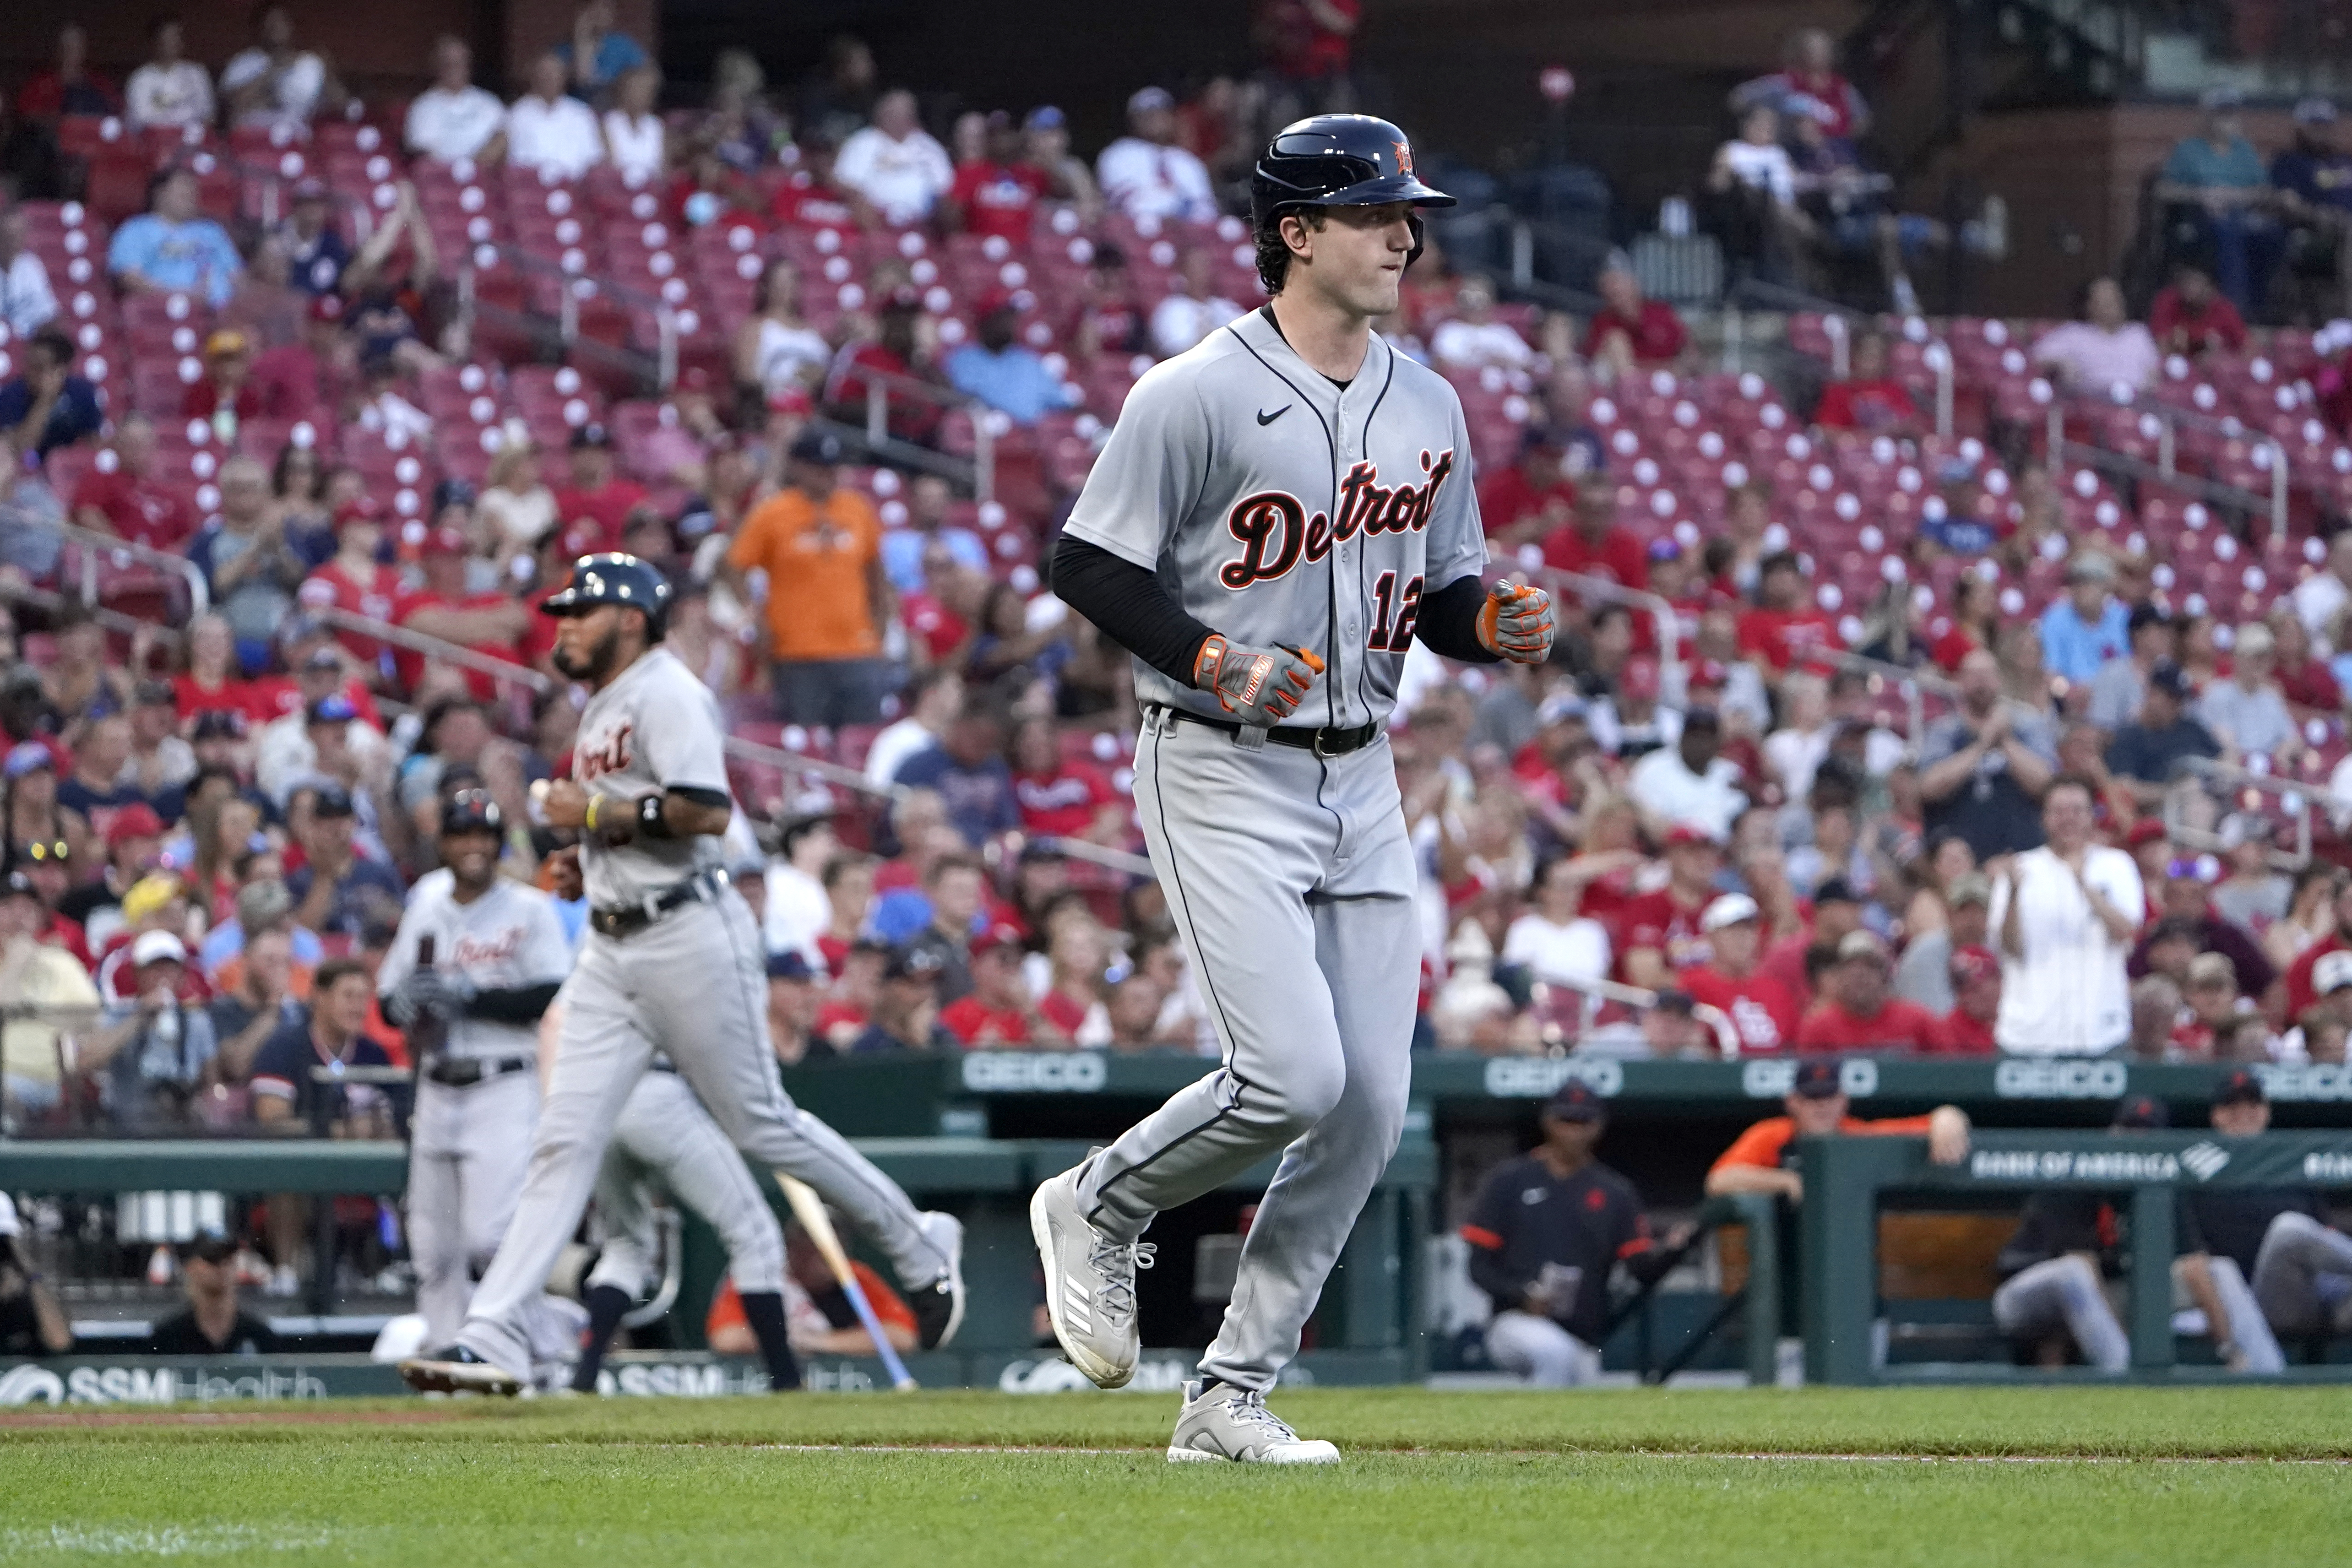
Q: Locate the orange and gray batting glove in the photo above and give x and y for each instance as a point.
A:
(1516, 623)
(1259, 686)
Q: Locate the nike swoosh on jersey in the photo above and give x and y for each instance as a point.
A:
(1266, 418)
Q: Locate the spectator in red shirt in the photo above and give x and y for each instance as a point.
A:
(996, 194)
(215, 681)
(226, 393)
(127, 502)
(1630, 333)
(1592, 545)
(1967, 1029)
(1308, 41)
(1659, 932)
(489, 623)
(1073, 1003)
(592, 510)
(1857, 1012)
(1060, 799)
(1785, 626)
(69, 86)
(354, 580)
(1763, 1011)
(2190, 316)
(813, 199)
(2303, 679)
(1533, 498)
(999, 1012)
(1869, 400)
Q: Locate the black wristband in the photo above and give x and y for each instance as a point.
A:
(650, 820)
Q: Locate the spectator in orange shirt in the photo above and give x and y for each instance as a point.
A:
(817, 1312)
(827, 595)
(1816, 1106)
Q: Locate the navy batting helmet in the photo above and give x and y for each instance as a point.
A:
(614, 577)
(472, 811)
(1338, 160)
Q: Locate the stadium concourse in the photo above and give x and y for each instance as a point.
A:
(1920, 694)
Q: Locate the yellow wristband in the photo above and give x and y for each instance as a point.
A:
(589, 817)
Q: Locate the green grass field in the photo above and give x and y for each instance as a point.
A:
(2201, 1476)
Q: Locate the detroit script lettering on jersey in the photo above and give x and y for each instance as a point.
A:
(613, 757)
(473, 949)
(1275, 533)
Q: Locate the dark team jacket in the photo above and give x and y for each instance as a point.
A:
(1526, 1217)
(2056, 1223)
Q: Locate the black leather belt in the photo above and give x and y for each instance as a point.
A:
(627, 919)
(1324, 742)
(464, 1071)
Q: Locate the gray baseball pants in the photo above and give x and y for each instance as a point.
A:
(2063, 1293)
(1540, 1351)
(1290, 879)
(2302, 1273)
(470, 1148)
(665, 1135)
(694, 984)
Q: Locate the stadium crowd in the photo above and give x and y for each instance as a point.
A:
(1723, 809)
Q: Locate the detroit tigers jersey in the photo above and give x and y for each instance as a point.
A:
(654, 728)
(1281, 508)
(508, 939)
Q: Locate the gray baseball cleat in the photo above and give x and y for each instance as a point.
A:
(938, 1308)
(1222, 1422)
(454, 1369)
(1090, 1283)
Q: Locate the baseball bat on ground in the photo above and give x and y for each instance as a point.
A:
(809, 1209)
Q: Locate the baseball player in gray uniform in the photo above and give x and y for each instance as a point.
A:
(672, 962)
(475, 961)
(1278, 513)
(665, 1138)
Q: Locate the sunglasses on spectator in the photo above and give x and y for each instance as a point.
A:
(52, 850)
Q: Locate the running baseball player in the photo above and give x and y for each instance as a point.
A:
(672, 964)
(665, 1137)
(1279, 513)
(475, 961)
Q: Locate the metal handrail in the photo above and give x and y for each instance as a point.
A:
(1641, 1000)
(92, 541)
(436, 648)
(112, 620)
(2295, 798)
(1661, 608)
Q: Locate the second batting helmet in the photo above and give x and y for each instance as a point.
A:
(472, 811)
(1338, 160)
(614, 577)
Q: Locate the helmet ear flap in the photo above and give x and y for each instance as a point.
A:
(1420, 229)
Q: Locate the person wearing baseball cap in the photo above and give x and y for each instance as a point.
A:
(1661, 929)
(155, 1049)
(820, 542)
(593, 506)
(1762, 1159)
(212, 1323)
(794, 993)
(1546, 1233)
(1924, 973)
(906, 1015)
(1689, 782)
(2276, 1266)
(32, 1323)
(1763, 1011)
(2062, 1270)
(999, 1013)
(1146, 174)
(225, 394)
(1857, 1010)
(1967, 1029)
(1521, 503)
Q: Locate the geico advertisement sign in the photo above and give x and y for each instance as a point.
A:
(32, 1383)
(1539, 1077)
(1025, 1072)
(2028, 1079)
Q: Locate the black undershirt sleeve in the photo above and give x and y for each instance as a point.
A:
(514, 1004)
(700, 796)
(1131, 605)
(1449, 621)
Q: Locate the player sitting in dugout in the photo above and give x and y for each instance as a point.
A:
(1545, 1235)
(2063, 1276)
(1763, 1158)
